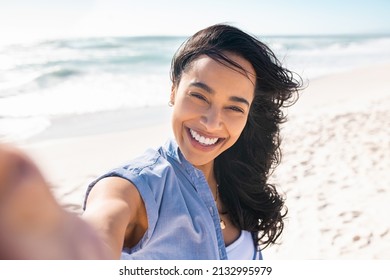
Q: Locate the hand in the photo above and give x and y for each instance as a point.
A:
(32, 224)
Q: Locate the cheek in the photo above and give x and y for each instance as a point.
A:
(235, 132)
(237, 127)
(184, 109)
(182, 112)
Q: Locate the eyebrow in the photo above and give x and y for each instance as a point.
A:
(203, 86)
(211, 91)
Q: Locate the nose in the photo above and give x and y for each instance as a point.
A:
(212, 119)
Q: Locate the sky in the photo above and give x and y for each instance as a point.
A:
(30, 19)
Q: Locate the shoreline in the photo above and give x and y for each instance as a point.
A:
(112, 121)
(98, 123)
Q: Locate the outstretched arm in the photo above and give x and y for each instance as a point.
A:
(32, 224)
(115, 209)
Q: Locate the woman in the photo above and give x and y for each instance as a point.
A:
(206, 191)
(203, 195)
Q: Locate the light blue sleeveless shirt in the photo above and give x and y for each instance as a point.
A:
(183, 221)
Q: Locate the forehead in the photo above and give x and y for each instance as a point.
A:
(207, 64)
(221, 76)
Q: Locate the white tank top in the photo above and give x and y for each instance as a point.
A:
(243, 248)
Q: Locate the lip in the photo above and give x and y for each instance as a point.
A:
(199, 146)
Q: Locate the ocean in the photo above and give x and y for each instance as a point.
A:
(47, 80)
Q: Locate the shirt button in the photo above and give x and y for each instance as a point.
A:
(211, 211)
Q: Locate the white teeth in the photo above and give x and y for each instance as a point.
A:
(203, 140)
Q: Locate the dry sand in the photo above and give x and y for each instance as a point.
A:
(335, 170)
(334, 173)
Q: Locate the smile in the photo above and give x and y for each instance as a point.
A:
(205, 141)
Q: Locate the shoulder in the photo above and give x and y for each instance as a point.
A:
(142, 172)
(149, 161)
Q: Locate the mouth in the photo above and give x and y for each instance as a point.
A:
(203, 140)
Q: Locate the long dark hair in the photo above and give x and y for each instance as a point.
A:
(243, 170)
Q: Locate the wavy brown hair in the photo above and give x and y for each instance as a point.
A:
(243, 170)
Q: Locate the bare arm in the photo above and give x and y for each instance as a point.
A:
(34, 226)
(116, 210)
(32, 223)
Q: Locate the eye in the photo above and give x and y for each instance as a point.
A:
(236, 109)
(198, 96)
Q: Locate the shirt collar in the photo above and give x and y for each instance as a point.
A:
(173, 150)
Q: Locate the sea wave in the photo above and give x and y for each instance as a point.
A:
(315, 56)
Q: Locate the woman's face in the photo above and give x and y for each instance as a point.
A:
(211, 106)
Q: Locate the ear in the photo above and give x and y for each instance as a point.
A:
(173, 95)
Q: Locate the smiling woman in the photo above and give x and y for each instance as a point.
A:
(228, 91)
(204, 194)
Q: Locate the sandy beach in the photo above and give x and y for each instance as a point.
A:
(334, 173)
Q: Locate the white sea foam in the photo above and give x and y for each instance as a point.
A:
(17, 129)
(87, 95)
(318, 56)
